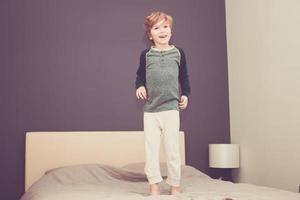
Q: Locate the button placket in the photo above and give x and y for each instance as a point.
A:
(162, 57)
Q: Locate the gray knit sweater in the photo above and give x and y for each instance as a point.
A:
(162, 73)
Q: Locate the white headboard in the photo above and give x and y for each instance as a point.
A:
(47, 150)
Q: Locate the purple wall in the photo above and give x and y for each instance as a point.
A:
(70, 66)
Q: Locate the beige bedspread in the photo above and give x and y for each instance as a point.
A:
(100, 182)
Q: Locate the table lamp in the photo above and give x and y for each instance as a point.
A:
(225, 156)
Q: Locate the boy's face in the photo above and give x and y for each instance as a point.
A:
(161, 33)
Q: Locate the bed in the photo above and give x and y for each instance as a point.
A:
(109, 165)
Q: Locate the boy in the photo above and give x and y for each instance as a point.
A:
(161, 72)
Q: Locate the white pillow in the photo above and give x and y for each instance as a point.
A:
(187, 170)
(139, 167)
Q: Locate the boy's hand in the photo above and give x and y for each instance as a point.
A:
(183, 102)
(141, 93)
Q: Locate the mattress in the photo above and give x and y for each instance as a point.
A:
(97, 181)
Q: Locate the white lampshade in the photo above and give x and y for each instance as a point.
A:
(224, 156)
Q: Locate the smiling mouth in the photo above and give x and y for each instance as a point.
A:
(163, 36)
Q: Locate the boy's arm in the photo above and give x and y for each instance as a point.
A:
(183, 75)
(141, 72)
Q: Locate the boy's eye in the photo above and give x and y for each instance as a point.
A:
(155, 28)
(166, 26)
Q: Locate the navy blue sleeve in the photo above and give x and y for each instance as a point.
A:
(183, 75)
(141, 72)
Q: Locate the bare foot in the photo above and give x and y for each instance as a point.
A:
(154, 189)
(175, 190)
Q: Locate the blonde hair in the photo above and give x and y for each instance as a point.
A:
(155, 17)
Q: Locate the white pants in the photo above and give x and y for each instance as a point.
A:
(165, 123)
